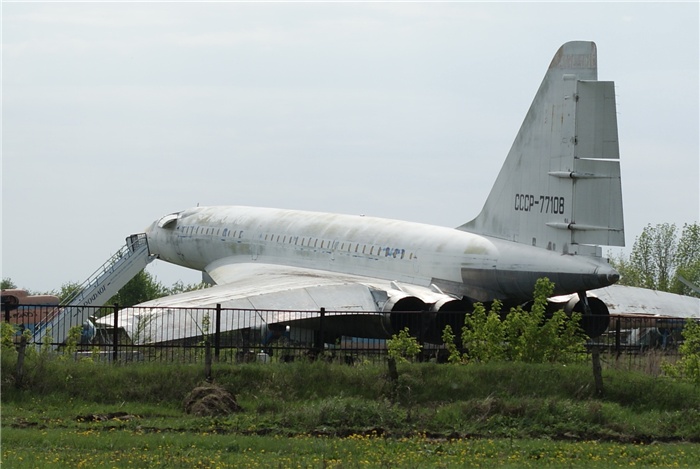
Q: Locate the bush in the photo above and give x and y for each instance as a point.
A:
(688, 367)
(483, 334)
(403, 346)
(526, 336)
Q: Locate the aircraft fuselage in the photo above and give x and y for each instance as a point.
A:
(460, 263)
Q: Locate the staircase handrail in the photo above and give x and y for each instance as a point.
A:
(133, 242)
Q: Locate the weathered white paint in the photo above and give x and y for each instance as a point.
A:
(557, 195)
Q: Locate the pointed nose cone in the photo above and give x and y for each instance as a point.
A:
(151, 235)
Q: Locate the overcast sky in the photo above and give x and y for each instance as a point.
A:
(116, 114)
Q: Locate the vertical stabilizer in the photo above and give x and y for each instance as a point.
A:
(560, 185)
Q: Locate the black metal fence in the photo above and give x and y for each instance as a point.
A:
(235, 336)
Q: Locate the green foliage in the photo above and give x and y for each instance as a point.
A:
(448, 339)
(143, 287)
(688, 367)
(403, 346)
(180, 287)
(72, 341)
(659, 256)
(483, 334)
(8, 332)
(7, 284)
(688, 260)
(526, 336)
(67, 292)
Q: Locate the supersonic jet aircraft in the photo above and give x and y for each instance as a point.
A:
(556, 199)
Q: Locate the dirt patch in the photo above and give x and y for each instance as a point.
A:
(210, 400)
(105, 417)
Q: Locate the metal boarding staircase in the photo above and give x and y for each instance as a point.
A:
(103, 284)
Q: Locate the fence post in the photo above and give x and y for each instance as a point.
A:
(422, 317)
(217, 332)
(319, 341)
(617, 337)
(115, 334)
(597, 371)
(20, 360)
(207, 360)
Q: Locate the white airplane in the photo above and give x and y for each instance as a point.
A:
(557, 198)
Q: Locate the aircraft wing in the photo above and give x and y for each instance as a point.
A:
(270, 287)
(257, 296)
(622, 299)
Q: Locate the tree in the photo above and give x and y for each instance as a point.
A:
(659, 256)
(7, 283)
(179, 287)
(67, 291)
(688, 260)
(143, 287)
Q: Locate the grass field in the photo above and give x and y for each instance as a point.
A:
(99, 448)
(320, 415)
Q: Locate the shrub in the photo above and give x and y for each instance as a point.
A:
(526, 336)
(403, 346)
(688, 367)
(483, 334)
(448, 339)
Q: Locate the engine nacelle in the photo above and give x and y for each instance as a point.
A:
(405, 312)
(425, 315)
(594, 323)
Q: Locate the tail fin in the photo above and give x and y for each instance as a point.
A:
(560, 187)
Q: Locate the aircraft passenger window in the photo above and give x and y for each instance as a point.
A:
(403, 251)
(371, 251)
(315, 241)
(363, 248)
(342, 246)
(356, 246)
(322, 244)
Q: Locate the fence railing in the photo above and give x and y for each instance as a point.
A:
(235, 335)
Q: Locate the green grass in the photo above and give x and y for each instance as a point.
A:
(96, 448)
(330, 415)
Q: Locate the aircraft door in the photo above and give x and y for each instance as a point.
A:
(255, 247)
